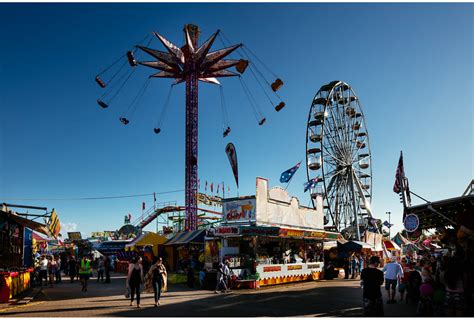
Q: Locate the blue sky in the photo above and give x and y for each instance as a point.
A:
(410, 64)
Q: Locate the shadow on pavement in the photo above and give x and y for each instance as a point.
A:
(284, 303)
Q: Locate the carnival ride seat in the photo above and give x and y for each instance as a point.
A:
(242, 65)
(226, 132)
(277, 84)
(157, 130)
(280, 106)
(320, 101)
(102, 104)
(125, 121)
(315, 137)
(131, 59)
(100, 82)
(261, 122)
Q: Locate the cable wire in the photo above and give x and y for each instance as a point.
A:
(96, 198)
(165, 106)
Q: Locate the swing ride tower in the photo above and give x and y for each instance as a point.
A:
(191, 64)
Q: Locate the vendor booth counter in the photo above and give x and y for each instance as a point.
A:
(283, 273)
(14, 283)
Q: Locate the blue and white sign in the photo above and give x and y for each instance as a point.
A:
(411, 222)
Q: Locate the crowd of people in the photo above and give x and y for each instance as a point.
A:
(49, 269)
(440, 285)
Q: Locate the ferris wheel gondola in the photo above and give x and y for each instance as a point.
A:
(338, 153)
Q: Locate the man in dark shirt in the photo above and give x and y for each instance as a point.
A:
(372, 278)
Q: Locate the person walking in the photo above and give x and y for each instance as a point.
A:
(84, 272)
(72, 268)
(402, 285)
(43, 270)
(371, 280)
(393, 271)
(58, 269)
(52, 267)
(100, 269)
(354, 266)
(107, 269)
(156, 278)
(134, 279)
(227, 275)
(221, 278)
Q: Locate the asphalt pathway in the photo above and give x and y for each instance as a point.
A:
(320, 298)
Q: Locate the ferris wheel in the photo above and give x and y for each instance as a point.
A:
(338, 158)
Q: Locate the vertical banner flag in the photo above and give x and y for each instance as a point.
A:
(310, 184)
(199, 184)
(212, 186)
(53, 225)
(288, 174)
(399, 175)
(154, 197)
(143, 205)
(232, 155)
(205, 187)
(218, 188)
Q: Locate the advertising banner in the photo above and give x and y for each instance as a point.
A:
(239, 211)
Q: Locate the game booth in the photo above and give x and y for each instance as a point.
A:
(268, 239)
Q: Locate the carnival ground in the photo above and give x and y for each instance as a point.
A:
(321, 298)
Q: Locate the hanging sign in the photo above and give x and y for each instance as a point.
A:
(411, 222)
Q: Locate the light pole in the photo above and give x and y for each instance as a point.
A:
(389, 223)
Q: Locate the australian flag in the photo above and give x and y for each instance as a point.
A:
(310, 184)
(288, 174)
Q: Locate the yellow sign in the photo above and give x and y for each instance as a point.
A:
(53, 225)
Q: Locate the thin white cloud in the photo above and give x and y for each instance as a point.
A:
(68, 227)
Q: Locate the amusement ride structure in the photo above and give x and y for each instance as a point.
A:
(190, 64)
(338, 157)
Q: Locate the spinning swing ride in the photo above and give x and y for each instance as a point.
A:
(189, 64)
(338, 157)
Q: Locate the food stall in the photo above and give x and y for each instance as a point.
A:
(14, 276)
(183, 248)
(269, 238)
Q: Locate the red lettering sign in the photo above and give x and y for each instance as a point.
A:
(272, 269)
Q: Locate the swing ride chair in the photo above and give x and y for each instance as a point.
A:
(189, 64)
(338, 156)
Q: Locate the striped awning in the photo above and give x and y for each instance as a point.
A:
(185, 237)
(390, 245)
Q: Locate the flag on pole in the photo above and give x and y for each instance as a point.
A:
(387, 224)
(288, 174)
(218, 188)
(205, 187)
(212, 186)
(399, 175)
(143, 205)
(310, 184)
(154, 197)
